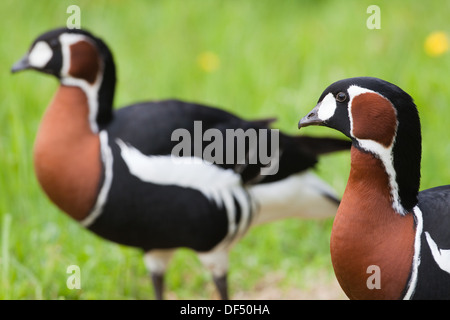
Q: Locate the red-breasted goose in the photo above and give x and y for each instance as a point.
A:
(384, 226)
(116, 173)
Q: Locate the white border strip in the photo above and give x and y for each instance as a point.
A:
(416, 259)
(107, 160)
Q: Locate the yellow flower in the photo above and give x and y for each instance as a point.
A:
(436, 44)
(208, 61)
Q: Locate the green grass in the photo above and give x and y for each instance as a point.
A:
(276, 57)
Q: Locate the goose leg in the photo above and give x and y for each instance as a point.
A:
(156, 262)
(217, 263)
(158, 284)
(222, 286)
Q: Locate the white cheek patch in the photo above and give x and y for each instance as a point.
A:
(40, 55)
(327, 107)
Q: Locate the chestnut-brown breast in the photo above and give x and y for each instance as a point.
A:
(368, 232)
(67, 153)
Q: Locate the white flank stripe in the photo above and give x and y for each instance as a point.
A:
(416, 258)
(222, 186)
(230, 208)
(441, 256)
(107, 160)
(242, 199)
(214, 182)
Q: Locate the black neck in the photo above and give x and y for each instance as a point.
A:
(107, 87)
(106, 91)
(407, 151)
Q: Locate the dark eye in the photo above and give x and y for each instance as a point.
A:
(53, 43)
(341, 97)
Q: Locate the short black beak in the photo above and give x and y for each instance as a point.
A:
(22, 64)
(312, 118)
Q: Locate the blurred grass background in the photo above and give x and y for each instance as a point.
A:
(255, 58)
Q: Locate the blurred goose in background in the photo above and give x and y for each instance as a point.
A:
(116, 174)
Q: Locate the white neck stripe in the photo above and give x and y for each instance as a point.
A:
(416, 258)
(91, 90)
(385, 154)
(107, 159)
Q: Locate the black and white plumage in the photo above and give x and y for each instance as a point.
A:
(383, 219)
(137, 192)
(433, 260)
